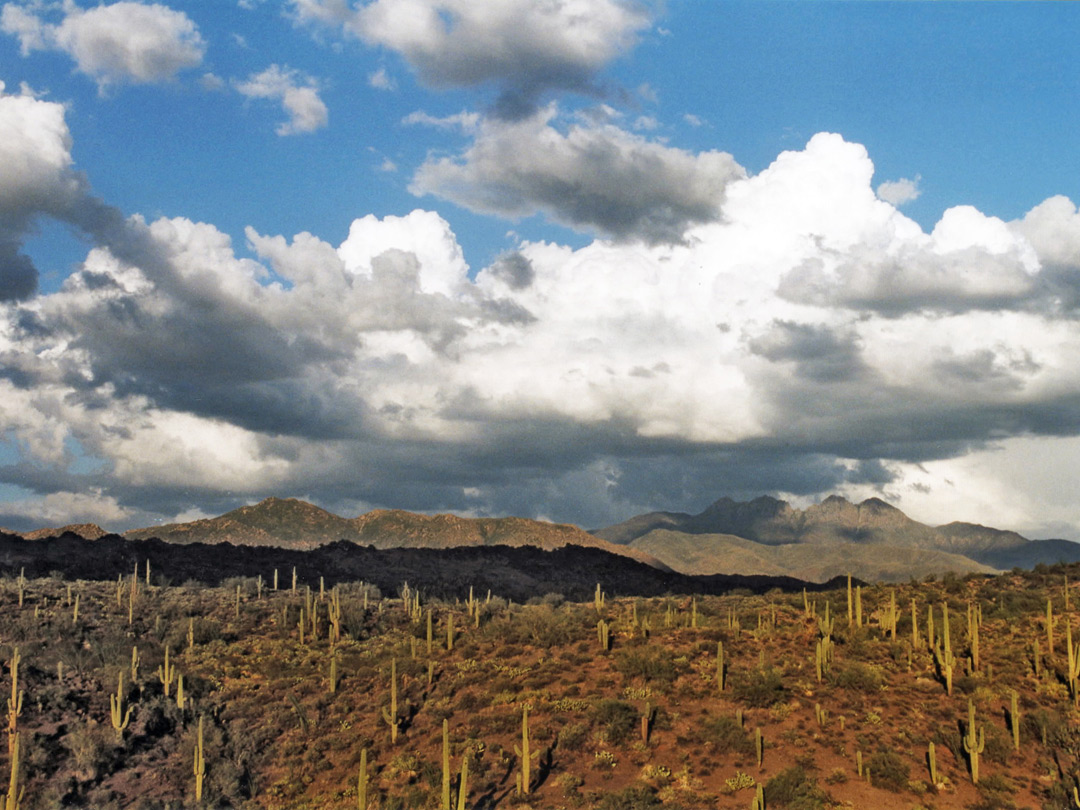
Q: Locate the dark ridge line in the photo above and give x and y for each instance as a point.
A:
(513, 572)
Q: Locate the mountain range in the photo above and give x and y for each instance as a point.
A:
(871, 540)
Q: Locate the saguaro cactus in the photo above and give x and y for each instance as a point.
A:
(166, 672)
(1014, 718)
(362, 782)
(14, 796)
(446, 765)
(1072, 665)
(1049, 627)
(524, 754)
(15, 702)
(463, 782)
(117, 715)
(947, 663)
(973, 637)
(720, 665)
(391, 716)
(646, 722)
(973, 744)
(199, 765)
(914, 626)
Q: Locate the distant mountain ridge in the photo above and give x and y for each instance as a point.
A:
(824, 538)
(298, 525)
(871, 540)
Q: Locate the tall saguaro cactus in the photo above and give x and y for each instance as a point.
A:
(391, 716)
(524, 754)
(973, 744)
(15, 702)
(199, 766)
(117, 715)
(13, 799)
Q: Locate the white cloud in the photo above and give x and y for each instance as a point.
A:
(618, 376)
(113, 44)
(212, 82)
(37, 180)
(298, 94)
(464, 120)
(693, 120)
(1053, 230)
(524, 46)
(595, 177)
(58, 509)
(899, 192)
(381, 80)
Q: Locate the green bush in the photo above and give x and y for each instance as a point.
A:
(888, 770)
(728, 736)
(759, 688)
(858, 676)
(617, 719)
(572, 736)
(648, 663)
(792, 788)
(631, 798)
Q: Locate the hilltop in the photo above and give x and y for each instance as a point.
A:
(298, 525)
(872, 540)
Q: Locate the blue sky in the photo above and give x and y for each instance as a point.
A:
(635, 278)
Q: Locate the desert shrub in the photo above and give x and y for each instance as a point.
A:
(728, 736)
(1050, 728)
(570, 785)
(648, 663)
(792, 788)
(204, 631)
(93, 751)
(617, 719)
(631, 798)
(572, 736)
(541, 626)
(888, 770)
(999, 745)
(995, 783)
(759, 688)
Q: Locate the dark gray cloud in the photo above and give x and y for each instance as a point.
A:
(593, 178)
(818, 353)
(514, 269)
(918, 280)
(18, 276)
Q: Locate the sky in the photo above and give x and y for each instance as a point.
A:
(564, 259)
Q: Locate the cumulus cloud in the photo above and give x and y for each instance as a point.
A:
(113, 44)
(898, 192)
(64, 508)
(521, 46)
(798, 335)
(38, 180)
(298, 94)
(592, 177)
